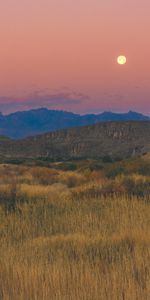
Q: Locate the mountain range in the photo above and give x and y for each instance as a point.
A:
(37, 121)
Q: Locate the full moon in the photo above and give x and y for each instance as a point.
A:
(121, 60)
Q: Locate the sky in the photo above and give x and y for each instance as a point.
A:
(62, 54)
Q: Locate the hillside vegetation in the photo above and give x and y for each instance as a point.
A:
(118, 140)
(75, 230)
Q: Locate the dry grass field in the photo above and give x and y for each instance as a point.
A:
(80, 234)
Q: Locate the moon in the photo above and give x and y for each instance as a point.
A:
(121, 59)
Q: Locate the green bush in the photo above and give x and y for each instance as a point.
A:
(107, 159)
(95, 166)
(138, 188)
(115, 171)
(144, 168)
(10, 198)
(68, 166)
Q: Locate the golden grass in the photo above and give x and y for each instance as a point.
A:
(57, 246)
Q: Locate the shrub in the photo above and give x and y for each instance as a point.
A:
(138, 188)
(107, 159)
(95, 166)
(72, 179)
(144, 168)
(44, 176)
(68, 166)
(9, 198)
(115, 171)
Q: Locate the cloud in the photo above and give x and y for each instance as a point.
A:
(57, 100)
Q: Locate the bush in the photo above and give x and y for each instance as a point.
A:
(107, 159)
(10, 197)
(44, 176)
(68, 166)
(115, 171)
(72, 179)
(139, 188)
(95, 166)
(144, 168)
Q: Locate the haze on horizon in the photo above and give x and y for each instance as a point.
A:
(62, 54)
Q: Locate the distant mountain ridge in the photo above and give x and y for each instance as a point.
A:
(37, 121)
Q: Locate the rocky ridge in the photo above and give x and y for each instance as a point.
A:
(114, 139)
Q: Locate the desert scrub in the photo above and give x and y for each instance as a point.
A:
(72, 179)
(91, 249)
(44, 176)
(75, 235)
(137, 186)
(9, 196)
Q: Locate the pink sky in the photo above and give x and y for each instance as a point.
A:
(62, 54)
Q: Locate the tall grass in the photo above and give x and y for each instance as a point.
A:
(55, 245)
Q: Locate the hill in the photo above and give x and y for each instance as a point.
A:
(113, 139)
(37, 121)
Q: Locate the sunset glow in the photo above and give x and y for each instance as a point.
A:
(70, 48)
